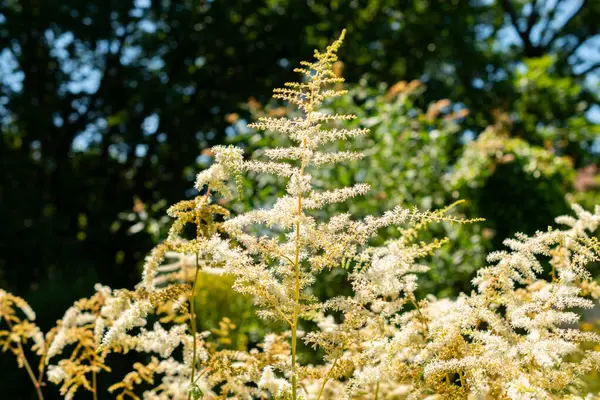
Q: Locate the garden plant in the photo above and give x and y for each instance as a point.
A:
(515, 335)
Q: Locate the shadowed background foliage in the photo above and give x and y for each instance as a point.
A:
(106, 107)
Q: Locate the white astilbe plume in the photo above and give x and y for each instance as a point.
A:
(514, 336)
(521, 389)
(132, 317)
(537, 359)
(56, 374)
(278, 387)
(158, 340)
(511, 339)
(61, 338)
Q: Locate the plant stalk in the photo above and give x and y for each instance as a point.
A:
(327, 378)
(94, 385)
(294, 325)
(36, 383)
(193, 325)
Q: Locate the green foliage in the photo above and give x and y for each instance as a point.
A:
(550, 107)
(516, 185)
(215, 300)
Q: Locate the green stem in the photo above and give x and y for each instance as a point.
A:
(294, 378)
(327, 378)
(376, 391)
(193, 325)
(294, 324)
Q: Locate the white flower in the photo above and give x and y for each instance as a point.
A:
(277, 386)
(521, 389)
(98, 331)
(60, 340)
(134, 316)
(56, 374)
(327, 324)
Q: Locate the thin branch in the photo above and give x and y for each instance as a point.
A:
(193, 326)
(549, 19)
(557, 32)
(326, 379)
(112, 61)
(574, 48)
(35, 382)
(512, 13)
(589, 69)
(533, 17)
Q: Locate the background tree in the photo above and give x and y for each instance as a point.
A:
(106, 105)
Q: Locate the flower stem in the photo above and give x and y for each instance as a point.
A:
(294, 378)
(35, 382)
(193, 325)
(294, 324)
(94, 385)
(327, 378)
(94, 379)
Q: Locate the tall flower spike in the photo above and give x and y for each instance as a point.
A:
(295, 248)
(308, 95)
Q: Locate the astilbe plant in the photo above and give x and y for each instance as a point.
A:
(409, 153)
(22, 332)
(513, 337)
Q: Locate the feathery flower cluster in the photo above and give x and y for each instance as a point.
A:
(513, 337)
